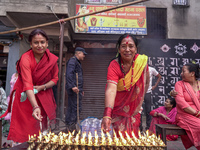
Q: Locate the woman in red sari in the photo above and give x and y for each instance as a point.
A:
(188, 105)
(127, 82)
(164, 115)
(37, 69)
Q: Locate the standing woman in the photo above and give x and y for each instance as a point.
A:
(37, 69)
(12, 83)
(127, 82)
(188, 105)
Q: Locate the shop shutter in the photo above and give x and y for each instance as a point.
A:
(95, 75)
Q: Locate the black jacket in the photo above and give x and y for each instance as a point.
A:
(73, 67)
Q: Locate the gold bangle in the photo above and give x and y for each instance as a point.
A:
(107, 117)
(170, 93)
(197, 113)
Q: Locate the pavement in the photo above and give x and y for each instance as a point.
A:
(171, 145)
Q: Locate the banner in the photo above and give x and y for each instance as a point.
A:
(130, 19)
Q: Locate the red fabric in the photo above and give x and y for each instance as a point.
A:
(107, 112)
(161, 120)
(185, 98)
(125, 114)
(31, 73)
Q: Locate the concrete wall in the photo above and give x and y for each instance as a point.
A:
(38, 6)
(13, 56)
(183, 23)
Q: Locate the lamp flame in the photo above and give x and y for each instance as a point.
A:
(110, 141)
(83, 142)
(96, 139)
(103, 138)
(89, 139)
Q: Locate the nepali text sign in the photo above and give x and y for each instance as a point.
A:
(131, 19)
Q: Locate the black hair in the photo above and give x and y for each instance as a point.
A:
(172, 102)
(1, 83)
(16, 62)
(37, 31)
(119, 43)
(83, 6)
(193, 68)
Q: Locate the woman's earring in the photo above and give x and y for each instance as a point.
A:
(31, 46)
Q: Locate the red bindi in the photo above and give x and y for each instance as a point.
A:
(127, 38)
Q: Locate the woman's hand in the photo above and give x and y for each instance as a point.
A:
(37, 114)
(164, 116)
(173, 93)
(39, 87)
(105, 125)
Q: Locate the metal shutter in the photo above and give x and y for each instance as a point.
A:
(95, 75)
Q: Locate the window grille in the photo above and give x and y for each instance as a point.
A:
(180, 3)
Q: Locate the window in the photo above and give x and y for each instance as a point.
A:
(180, 3)
(112, 1)
(104, 1)
(156, 23)
(93, 1)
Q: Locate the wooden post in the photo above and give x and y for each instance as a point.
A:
(78, 121)
(62, 27)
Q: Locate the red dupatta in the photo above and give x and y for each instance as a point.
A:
(40, 76)
(22, 122)
(125, 116)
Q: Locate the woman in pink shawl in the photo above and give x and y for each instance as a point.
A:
(12, 83)
(188, 106)
(164, 115)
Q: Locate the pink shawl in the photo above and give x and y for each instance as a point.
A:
(160, 120)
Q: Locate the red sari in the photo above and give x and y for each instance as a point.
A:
(30, 74)
(125, 114)
(161, 120)
(186, 97)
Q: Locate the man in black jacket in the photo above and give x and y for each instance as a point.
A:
(73, 68)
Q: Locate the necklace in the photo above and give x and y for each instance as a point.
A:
(131, 78)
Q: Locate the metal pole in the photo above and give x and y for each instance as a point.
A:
(62, 26)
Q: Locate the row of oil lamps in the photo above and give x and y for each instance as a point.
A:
(70, 141)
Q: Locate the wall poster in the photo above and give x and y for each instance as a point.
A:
(130, 19)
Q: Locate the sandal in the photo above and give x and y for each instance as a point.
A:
(4, 145)
(8, 146)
